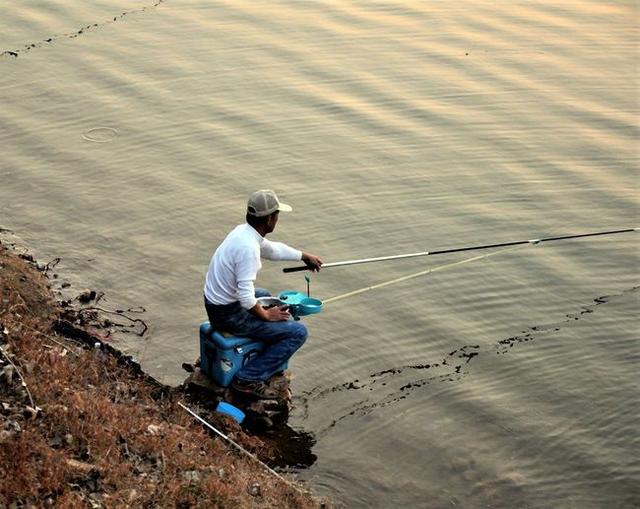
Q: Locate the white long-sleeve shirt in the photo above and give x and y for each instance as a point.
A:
(235, 264)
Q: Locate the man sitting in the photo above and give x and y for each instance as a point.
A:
(230, 297)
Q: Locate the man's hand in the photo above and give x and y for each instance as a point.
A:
(312, 261)
(278, 314)
(273, 314)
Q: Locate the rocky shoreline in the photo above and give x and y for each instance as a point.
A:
(82, 425)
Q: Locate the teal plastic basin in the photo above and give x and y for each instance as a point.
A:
(301, 304)
(310, 306)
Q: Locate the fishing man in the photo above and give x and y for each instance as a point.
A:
(230, 297)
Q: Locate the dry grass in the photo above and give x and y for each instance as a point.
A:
(104, 436)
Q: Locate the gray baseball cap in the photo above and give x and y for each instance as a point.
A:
(265, 202)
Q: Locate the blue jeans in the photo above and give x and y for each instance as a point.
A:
(282, 339)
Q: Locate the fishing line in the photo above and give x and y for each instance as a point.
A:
(241, 449)
(417, 274)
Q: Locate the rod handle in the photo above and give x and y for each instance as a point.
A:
(295, 269)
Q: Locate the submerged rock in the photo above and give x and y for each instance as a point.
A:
(86, 296)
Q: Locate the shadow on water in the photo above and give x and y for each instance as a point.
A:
(293, 447)
(455, 365)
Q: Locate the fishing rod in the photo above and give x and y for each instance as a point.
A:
(460, 249)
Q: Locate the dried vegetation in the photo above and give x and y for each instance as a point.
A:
(80, 428)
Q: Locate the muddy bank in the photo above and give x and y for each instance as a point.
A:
(82, 426)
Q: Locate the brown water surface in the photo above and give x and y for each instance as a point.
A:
(132, 134)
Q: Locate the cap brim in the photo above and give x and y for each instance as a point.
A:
(283, 207)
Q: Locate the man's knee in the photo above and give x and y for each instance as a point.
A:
(299, 333)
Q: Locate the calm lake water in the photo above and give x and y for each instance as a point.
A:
(132, 134)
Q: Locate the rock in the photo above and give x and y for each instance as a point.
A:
(55, 442)
(153, 429)
(7, 373)
(254, 490)
(260, 414)
(95, 499)
(97, 333)
(30, 413)
(191, 476)
(86, 296)
(202, 387)
(13, 426)
(188, 367)
(79, 466)
(57, 408)
(5, 436)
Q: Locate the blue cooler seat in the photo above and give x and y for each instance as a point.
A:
(222, 356)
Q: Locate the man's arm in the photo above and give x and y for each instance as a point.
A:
(278, 251)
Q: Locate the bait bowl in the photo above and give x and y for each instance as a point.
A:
(309, 306)
(300, 304)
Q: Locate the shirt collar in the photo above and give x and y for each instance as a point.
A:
(254, 231)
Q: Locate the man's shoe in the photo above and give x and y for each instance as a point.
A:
(258, 390)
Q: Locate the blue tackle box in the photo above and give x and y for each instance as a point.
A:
(221, 357)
